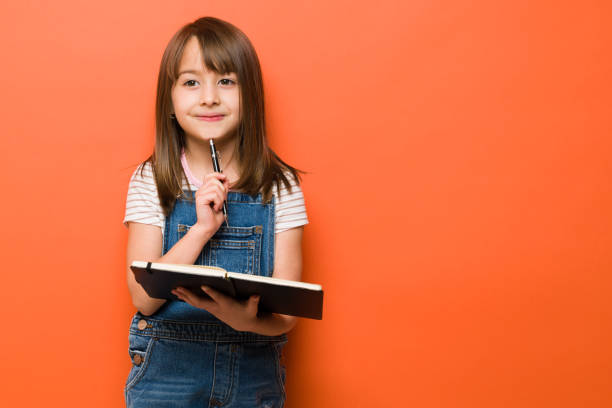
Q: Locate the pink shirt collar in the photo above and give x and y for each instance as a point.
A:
(190, 177)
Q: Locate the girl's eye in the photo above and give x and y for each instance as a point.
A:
(226, 81)
(191, 82)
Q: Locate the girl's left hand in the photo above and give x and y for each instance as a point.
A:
(239, 315)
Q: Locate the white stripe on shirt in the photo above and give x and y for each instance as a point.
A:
(143, 206)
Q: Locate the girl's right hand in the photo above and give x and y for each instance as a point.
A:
(209, 202)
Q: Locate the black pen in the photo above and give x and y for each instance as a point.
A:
(217, 168)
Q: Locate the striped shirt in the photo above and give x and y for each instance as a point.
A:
(142, 204)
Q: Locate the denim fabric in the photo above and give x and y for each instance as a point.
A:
(185, 357)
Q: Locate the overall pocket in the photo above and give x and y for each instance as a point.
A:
(235, 249)
(140, 350)
(281, 373)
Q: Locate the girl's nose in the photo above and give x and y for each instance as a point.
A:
(209, 95)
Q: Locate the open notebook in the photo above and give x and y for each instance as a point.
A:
(276, 295)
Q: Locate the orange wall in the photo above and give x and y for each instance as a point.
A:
(459, 194)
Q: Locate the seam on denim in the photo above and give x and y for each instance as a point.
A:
(181, 322)
(279, 379)
(231, 244)
(213, 337)
(235, 372)
(212, 388)
(218, 328)
(248, 230)
(167, 232)
(231, 230)
(201, 256)
(250, 255)
(144, 367)
(206, 255)
(271, 238)
(234, 360)
(232, 363)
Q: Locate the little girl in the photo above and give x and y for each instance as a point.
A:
(212, 351)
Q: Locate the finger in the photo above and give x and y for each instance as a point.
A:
(218, 183)
(211, 191)
(194, 300)
(214, 176)
(253, 305)
(217, 200)
(181, 293)
(213, 198)
(220, 198)
(215, 185)
(215, 295)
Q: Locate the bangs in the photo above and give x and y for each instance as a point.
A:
(216, 55)
(215, 51)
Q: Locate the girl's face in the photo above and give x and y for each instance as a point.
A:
(206, 103)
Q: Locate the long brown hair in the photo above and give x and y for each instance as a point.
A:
(225, 49)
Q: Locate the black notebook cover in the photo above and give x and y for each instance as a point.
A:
(276, 295)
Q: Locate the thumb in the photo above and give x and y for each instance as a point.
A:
(254, 302)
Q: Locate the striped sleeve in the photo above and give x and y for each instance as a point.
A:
(290, 211)
(142, 204)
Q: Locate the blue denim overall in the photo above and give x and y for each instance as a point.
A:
(183, 356)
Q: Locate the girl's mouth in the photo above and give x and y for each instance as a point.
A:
(212, 118)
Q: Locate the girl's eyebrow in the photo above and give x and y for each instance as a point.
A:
(190, 71)
(197, 72)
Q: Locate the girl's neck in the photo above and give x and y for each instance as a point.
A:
(200, 162)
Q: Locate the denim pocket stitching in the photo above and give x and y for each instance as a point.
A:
(231, 244)
(232, 372)
(279, 369)
(214, 245)
(223, 240)
(144, 364)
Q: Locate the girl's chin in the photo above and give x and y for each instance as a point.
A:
(205, 138)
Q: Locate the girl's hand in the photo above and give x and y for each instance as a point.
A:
(239, 315)
(209, 201)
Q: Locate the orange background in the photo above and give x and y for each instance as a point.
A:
(459, 194)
